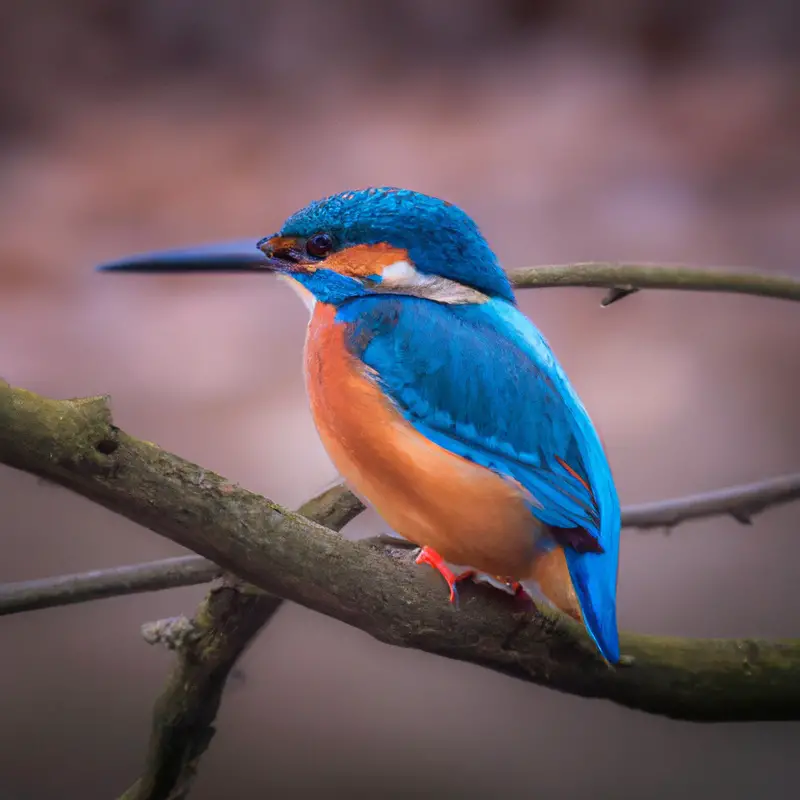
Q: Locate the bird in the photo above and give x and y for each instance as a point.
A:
(439, 402)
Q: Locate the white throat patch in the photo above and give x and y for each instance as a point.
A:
(402, 277)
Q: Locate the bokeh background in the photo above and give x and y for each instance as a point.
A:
(571, 130)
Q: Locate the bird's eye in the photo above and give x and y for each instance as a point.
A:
(319, 245)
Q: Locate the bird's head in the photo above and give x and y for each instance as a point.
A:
(370, 241)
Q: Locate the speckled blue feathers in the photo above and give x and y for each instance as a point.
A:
(480, 381)
(439, 237)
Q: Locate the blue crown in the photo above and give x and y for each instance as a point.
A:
(439, 237)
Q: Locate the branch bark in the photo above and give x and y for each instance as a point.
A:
(741, 502)
(624, 279)
(223, 626)
(75, 444)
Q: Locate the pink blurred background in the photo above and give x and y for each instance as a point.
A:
(570, 130)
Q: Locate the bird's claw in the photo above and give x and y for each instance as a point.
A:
(430, 557)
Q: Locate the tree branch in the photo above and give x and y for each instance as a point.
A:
(741, 502)
(75, 444)
(225, 623)
(233, 613)
(624, 279)
(81, 587)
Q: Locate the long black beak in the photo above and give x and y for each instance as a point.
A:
(238, 256)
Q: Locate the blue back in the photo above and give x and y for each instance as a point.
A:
(481, 381)
(438, 236)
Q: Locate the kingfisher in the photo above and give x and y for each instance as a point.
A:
(440, 403)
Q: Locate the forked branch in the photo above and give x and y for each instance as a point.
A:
(75, 444)
(741, 502)
(226, 622)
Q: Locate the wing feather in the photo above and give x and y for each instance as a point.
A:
(475, 391)
(480, 381)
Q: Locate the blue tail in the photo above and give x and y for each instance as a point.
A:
(595, 586)
(594, 575)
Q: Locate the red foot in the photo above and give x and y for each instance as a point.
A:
(433, 559)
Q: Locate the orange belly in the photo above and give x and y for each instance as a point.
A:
(468, 514)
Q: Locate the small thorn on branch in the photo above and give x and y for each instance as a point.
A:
(617, 293)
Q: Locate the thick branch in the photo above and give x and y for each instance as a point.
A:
(223, 626)
(75, 444)
(627, 278)
(622, 279)
(741, 502)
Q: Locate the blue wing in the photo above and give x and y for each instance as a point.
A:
(481, 381)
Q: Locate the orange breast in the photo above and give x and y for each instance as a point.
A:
(427, 494)
(468, 514)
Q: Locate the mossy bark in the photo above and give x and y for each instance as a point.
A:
(75, 444)
(224, 625)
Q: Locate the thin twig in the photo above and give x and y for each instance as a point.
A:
(741, 502)
(624, 279)
(81, 587)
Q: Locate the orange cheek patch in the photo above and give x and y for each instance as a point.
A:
(364, 260)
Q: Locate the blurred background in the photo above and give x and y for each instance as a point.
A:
(571, 130)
